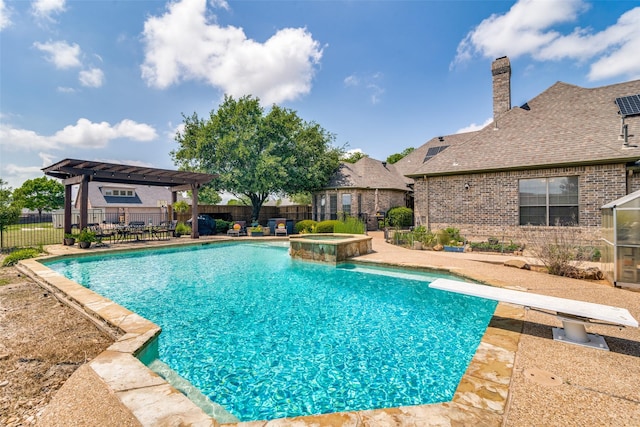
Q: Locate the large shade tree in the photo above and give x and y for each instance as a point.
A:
(40, 194)
(257, 154)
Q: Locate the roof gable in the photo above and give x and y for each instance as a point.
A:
(368, 173)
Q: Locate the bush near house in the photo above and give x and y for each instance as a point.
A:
(400, 217)
(450, 236)
(305, 226)
(560, 249)
(495, 246)
(350, 225)
(222, 225)
(326, 226)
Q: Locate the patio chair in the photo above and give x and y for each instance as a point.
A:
(280, 228)
(238, 229)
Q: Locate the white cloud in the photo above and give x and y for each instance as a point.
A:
(64, 89)
(5, 14)
(351, 80)
(528, 29)
(46, 8)
(84, 134)
(370, 82)
(91, 78)
(62, 54)
(16, 175)
(183, 44)
(474, 127)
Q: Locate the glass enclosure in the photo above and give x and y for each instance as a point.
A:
(621, 236)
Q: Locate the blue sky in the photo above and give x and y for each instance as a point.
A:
(109, 80)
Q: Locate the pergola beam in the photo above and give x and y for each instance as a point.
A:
(73, 172)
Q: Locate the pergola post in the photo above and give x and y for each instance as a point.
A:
(83, 193)
(194, 212)
(67, 208)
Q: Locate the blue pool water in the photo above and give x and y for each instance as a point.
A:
(268, 337)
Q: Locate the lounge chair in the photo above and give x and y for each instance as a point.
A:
(280, 228)
(238, 229)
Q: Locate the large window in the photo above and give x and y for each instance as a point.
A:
(333, 206)
(346, 204)
(549, 201)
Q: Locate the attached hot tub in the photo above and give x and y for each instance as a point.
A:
(330, 248)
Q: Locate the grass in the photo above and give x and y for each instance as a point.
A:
(35, 234)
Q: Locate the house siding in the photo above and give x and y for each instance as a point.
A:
(490, 207)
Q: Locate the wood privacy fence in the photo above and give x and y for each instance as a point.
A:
(243, 213)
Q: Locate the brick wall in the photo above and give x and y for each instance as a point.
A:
(490, 207)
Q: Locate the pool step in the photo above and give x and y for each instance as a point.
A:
(211, 408)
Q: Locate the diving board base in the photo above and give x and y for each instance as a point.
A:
(567, 334)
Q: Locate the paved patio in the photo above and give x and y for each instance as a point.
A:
(519, 377)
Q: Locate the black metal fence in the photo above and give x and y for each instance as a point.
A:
(33, 230)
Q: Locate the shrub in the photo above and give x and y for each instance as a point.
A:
(305, 226)
(326, 226)
(222, 225)
(86, 235)
(449, 236)
(350, 225)
(400, 217)
(494, 245)
(559, 248)
(20, 254)
(182, 229)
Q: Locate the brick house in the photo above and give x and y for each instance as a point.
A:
(555, 160)
(364, 189)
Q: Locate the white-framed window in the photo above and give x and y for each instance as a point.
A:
(118, 192)
(549, 201)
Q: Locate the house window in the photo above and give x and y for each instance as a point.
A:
(333, 206)
(346, 204)
(549, 201)
(118, 193)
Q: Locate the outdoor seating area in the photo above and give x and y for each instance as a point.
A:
(133, 231)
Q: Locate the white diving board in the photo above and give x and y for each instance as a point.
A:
(573, 314)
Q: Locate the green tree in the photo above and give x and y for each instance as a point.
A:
(257, 154)
(353, 156)
(301, 198)
(40, 194)
(397, 156)
(9, 209)
(207, 195)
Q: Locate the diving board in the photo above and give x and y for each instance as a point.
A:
(573, 314)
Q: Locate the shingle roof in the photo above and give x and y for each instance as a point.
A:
(564, 125)
(368, 173)
(148, 196)
(414, 160)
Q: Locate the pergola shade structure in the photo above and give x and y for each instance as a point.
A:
(81, 172)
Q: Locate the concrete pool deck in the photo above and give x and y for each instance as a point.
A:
(518, 377)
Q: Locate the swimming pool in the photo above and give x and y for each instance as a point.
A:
(268, 337)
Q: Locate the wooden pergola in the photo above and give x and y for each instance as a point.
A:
(81, 172)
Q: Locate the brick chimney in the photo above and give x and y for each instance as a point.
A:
(501, 71)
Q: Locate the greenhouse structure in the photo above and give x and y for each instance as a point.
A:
(621, 236)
